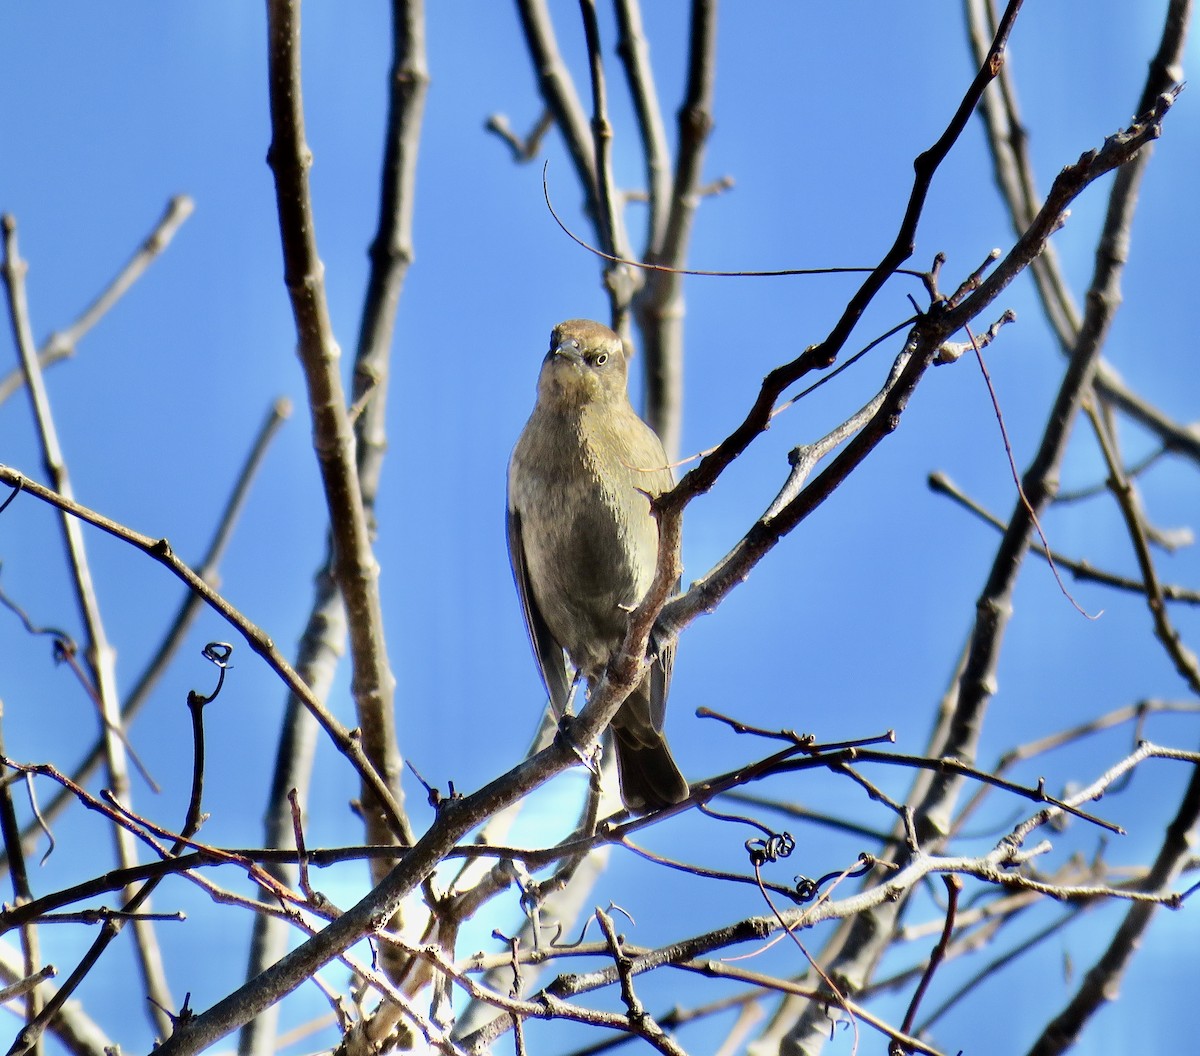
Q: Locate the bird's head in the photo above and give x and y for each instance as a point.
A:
(585, 364)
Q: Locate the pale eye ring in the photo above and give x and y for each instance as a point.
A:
(602, 359)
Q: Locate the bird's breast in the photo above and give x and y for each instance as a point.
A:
(590, 541)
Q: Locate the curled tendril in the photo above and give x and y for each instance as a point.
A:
(558, 944)
(807, 889)
(217, 653)
(777, 845)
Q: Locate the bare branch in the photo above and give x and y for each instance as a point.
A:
(101, 656)
(189, 608)
(355, 568)
(61, 344)
(259, 641)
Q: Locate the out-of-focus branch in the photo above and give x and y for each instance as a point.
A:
(1081, 570)
(1104, 977)
(930, 332)
(634, 52)
(355, 568)
(560, 898)
(606, 192)
(100, 655)
(1185, 661)
(73, 1028)
(672, 200)
(391, 250)
(557, 90)
(610, 222)
(978, 678)
(22, 894)
(61, 344)
(1013, 167)
(660, 305)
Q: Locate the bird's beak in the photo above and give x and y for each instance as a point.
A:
(568, 350)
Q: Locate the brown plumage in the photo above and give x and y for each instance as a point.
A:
(584, 544)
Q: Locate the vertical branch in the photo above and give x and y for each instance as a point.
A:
(100, 655)
(1185, 661)
(701, 477)
(322, 643)
(857, 948)
(355, 569)
(22, 894)
(660, 306)
(606, 214)
(557, 90)
(391, 250)
(634, 53)
(185, 615)
(1040, 480)
(619, 279)
(588, 150)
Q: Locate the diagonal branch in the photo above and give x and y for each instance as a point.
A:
(703, 476)
(185, 615)
(855, 951)
(61, 344)
(1008, 143)
(160, 549)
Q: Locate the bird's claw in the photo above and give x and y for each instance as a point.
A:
(591, 759)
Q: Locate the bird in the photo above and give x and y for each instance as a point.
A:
(584, 544)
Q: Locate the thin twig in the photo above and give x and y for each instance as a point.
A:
(1186, 662)
(953, 887)
(137, 899)
(22, 895)
(943, 485)
(1008, 142)
(62, 344)
(160, 549)
(189, 608)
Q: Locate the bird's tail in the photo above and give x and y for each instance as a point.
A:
(650, 779)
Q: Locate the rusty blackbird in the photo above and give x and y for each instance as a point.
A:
(583, 543)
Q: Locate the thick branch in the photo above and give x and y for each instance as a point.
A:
(355, 568)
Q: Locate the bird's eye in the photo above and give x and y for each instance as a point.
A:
(601, 359)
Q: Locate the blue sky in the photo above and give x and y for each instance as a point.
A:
(850, 627)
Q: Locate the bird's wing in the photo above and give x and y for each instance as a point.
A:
(660, 682)
(656, 483)
(548, 653)
(660, 676)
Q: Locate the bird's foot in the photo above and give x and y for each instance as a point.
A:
(565, 736)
